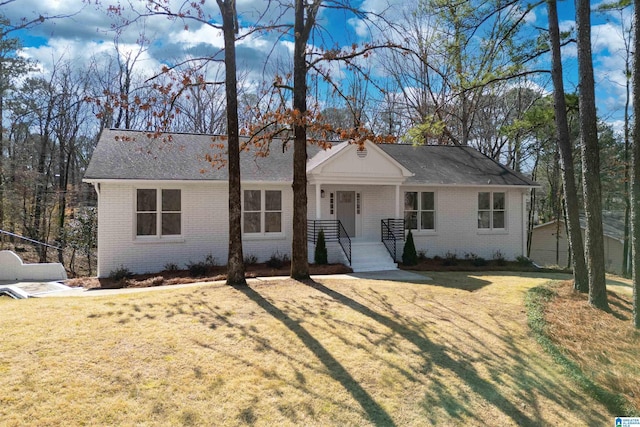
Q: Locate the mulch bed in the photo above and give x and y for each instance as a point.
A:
(176, 277)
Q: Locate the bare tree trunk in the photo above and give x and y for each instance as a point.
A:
(302, 29)
(590, 160)
(635, 182)
(235, 262)
(576, 247)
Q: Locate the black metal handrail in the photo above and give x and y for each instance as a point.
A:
(392, 230)
(334, 231)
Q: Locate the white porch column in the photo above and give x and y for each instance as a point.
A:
(397, 202)
(318, 204)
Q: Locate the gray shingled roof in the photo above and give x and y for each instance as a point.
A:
(452, 165)
(126, 155)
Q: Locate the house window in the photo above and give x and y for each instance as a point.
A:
(419, 210)
(262, 211)
(491, 210)
(158, 212)
(358, 203)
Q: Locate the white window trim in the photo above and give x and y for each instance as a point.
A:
(423, 231)
(262, 235)
(491, 229)
(158, 237)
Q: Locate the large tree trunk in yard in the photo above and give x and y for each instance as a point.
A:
(302, 29)
(235, 261)
(635, 178)
(590, 159)
(580, 274)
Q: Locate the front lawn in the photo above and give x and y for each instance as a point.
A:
(333, 352)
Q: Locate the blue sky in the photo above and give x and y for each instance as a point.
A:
(88, 31)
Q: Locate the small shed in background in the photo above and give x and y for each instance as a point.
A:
(549, 244)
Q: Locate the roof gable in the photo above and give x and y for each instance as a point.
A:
(352, 163)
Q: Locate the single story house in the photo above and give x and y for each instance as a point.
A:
(549, 245)
(160, 202)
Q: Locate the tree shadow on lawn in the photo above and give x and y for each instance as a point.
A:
(374, 411)
(431, 352)
(447, 357)
(440, 395)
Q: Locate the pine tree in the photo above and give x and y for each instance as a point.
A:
(321, 256)
(409, 254)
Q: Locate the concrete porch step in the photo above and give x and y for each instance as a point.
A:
(371, 256)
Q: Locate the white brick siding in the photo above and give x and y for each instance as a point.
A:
(205, 224)
(204, 229)
(456, 219)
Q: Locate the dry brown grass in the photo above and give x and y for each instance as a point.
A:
(334, 352)
(605, 346)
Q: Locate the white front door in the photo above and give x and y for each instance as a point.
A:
(346, 211)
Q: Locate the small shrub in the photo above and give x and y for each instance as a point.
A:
(321, 256)
(478, 261)
(210, 261)
(197, 269)
(201, 268)
(277, 260)
(524, 261)
(250, 260)
(171, 266)
(120, 273)
(422, 255)
(499, 258)
(409, 254)
(450, 258)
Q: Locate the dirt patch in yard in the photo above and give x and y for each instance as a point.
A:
(212, 273)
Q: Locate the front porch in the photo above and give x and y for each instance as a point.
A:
(355, 197)
(361, 253)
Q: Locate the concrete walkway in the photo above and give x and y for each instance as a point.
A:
(28, 289)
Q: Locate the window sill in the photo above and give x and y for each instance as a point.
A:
(154, 239)
(423, 233)
(501, 231)
(263, 236)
